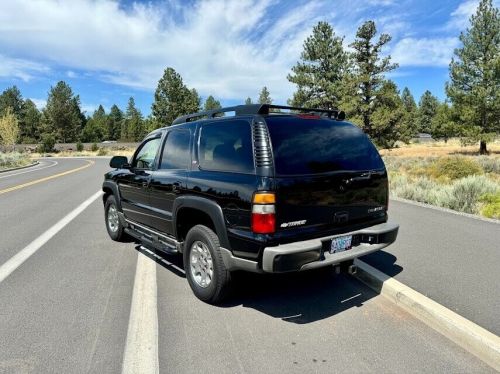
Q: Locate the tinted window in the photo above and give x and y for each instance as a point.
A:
(145, 158)
(306, 146)
(176, 150)
(226, 146)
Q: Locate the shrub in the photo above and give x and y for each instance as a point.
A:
(491, 205)
(465, 193)
(79, 146)
(102, 152)
(455, 168)
(489, 164)
(47, 144)
(94, 147)
(13, 160)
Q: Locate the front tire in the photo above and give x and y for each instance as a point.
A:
(205, 270)
(113, 223)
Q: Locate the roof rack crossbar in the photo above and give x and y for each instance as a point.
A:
(252, 109)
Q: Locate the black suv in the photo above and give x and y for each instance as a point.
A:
(262, 190)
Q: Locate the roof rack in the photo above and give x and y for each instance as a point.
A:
(252, 109)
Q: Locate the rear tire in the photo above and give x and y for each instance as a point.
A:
(113, 224)
(205, 270)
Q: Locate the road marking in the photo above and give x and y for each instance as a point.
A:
(17, 260)
(31, 170)
(90, 162)
(141, 349)
(473, 338)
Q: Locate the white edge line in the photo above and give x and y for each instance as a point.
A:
(141, 348)
(18, 259)
(31, 170)
(473, 338)
(446, 210)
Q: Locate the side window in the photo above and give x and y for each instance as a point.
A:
(226, 146)
(176, 153)
(145, 158)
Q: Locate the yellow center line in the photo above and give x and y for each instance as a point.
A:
(90, 162)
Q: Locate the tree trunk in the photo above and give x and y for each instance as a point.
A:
(482, 148)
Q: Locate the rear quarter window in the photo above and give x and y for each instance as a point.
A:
(226, 145)
(313, 146)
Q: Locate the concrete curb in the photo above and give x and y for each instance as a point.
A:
(473, 338)
(19, 168)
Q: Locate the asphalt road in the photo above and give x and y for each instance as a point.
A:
(67, 308)
(452, 259)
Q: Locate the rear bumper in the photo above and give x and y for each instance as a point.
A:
(314, 253)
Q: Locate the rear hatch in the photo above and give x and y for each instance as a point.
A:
(328, 176)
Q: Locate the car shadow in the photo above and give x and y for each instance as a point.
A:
(298, 298)
(383, 261)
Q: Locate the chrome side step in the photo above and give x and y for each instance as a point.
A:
(153, 238)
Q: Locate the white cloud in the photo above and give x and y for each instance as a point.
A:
(71, 74)
(459, 18)
(20, 68)
(424, 51)
(40, 103)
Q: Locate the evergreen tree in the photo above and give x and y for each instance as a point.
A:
(319, 74)
(211, 103)
(31, 120)
(248, 101)
(474, 87)
(133, 128)
(442, 124)
(173, 98)
(95, 129)
(264, 96)
(388, 117)
(12, 98)
(427, 108)
(62, 115)
(411, 111)
(115, 123)
(363, 85)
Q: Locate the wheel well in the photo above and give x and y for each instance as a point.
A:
(107, 192)
(189, 217)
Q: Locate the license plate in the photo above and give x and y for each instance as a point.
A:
(341, 243)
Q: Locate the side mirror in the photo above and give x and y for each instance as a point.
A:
(118, 162)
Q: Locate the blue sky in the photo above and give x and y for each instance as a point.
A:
(109, 50)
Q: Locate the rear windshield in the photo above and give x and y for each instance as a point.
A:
(312, 146)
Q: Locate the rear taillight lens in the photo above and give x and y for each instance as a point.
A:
(263, 213)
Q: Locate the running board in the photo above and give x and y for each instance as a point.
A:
(153, 238)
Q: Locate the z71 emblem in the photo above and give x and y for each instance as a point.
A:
(294, 223)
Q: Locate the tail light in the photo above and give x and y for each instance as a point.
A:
(263, 213)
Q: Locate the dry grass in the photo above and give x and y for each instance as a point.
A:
(128, 152)
(436, 149)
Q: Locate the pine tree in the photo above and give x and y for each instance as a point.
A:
(363, 86)
(95, 129)
(133, 128)
(319, 74)
(31, 119)
(474, 87)
(388, 117)
(427, 108)
(62, 115)
(115, 122)
(248, 101)
(411, 111)
(173, 98)
(442, 124)
(11, 97)
(211, 103)
(265, 96)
